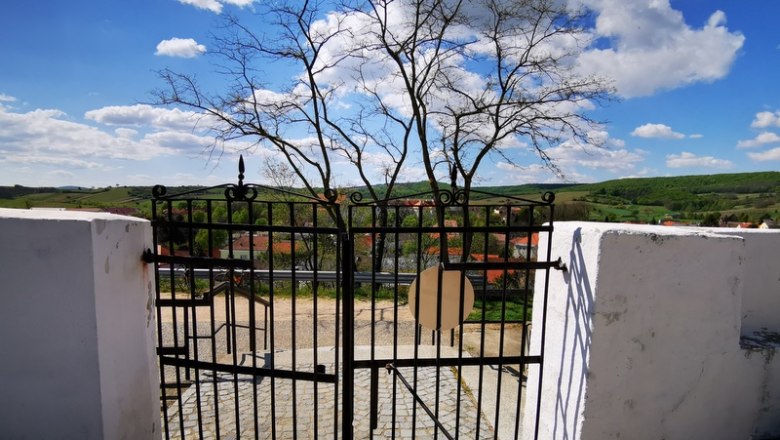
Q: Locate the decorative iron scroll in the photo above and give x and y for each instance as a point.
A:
(445, 197)
(247, 192)
(159, 191)
(243, 192)
(240, 192)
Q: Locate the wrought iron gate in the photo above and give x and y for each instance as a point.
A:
(286, 316)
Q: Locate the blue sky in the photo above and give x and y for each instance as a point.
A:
(696, 80)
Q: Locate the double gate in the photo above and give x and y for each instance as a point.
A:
(287, 316)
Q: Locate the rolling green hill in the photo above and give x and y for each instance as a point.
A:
(695, 199)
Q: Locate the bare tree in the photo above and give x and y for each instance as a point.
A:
(448, 82)
(528, 90)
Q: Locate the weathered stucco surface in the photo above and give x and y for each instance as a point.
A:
(643, 337)
(77, 335)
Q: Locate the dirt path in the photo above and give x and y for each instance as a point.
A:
(386, 328)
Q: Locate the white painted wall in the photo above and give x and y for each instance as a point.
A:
(76, 327)
(643, 338)
(761, 278)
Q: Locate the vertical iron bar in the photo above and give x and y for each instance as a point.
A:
(461, 309)
(228, 332)
(526, 287)
(231, 292)
(252, 327)
(338, 367)
(544, 321)
(395, 317)
(189, 275)
(439, 295)
(374, 404)
(420, 251)
(348, 354)
(209, 220)
(163, 387)
(172, 278)
(186, 309)
(271, 293)
(293, 323)
(314, 291)
(502, 330)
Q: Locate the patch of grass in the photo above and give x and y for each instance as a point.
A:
(493, 310)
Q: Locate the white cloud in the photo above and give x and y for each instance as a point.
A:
(766, 119)
(58, 161)
(126, 132)
(518, 175)
(609, 155)
(4, 99)
(761, 139)
(48, 133)
(180, 48)
(179, 140)
(656, 131)
(576, 160)
(145, 115)
(216, 6)
(210, 5)
(239, 3)
(773, 154)
(690, 160)
(652, 48)
(61, 175)
(696, 136)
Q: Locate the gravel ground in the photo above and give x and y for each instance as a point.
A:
(385, 332)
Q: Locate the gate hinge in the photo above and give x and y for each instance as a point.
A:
(147, 256)
(560, 265)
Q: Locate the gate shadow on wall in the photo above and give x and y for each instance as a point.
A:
(287, 316)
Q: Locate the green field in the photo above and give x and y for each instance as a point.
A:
(739, 197)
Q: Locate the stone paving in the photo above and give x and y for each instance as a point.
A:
(296, 405)
(218, 403)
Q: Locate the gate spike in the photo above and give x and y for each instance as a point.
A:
(240, 168)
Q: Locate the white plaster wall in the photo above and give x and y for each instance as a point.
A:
(643, 337)
(761, 279)
(77, 329)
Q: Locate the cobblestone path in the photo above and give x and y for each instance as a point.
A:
(293, 409)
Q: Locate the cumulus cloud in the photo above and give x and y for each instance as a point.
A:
(145, 115)
(180, 48)
(652, 48)
(58, 161)
(50, 133)
(764, 156)
(614, 160)
(5, 99)
(125, 132)
(656, 131)
(761, 139)
(239, 3)
(575, 159)
(690, 160)
(209, 5)
(214, 5)
(766, 119)
(608, 154)
(536, 173)
(178, 140)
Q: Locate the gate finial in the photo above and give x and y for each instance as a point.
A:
(240, 170)
(240, 192)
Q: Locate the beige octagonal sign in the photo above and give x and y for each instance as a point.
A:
(450, 298)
